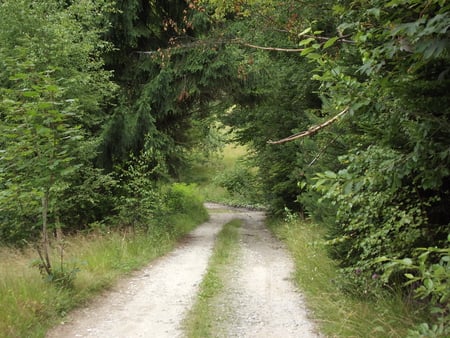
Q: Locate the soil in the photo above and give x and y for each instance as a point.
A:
(260, 299)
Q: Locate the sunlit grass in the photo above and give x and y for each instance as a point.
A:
(224, 161)
(338, 314)
(200, 320)
(231, 154)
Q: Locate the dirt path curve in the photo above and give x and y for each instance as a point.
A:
(153, 302)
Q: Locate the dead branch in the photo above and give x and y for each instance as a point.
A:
(311, 130)
(342, 38)
(276, 49)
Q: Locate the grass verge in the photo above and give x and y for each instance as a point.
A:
(30, 305)
(199, 321)
(337, 313)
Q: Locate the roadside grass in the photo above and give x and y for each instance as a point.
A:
(30, 305)
(338, 314)
(200, 319)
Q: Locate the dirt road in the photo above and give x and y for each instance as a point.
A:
(260, 298)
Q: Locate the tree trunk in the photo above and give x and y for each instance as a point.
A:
(45, 239)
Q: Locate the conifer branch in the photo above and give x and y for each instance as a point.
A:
(311, 130)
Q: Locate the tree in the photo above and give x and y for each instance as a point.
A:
(379, 177)
(38, 148)
(52, 89)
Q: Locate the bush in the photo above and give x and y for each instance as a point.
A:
(241, 183)
(147, 203)
(429, 275)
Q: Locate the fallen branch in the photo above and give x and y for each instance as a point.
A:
(311, 130)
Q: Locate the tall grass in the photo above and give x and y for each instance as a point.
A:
(24, 297)
(30, 305)
(200, 319)
(338, 313)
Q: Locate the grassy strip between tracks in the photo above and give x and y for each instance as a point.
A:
(200, 320)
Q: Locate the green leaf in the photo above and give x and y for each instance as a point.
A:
(375, 12)
(307, 51)
(428, 283)
(30, 94)
(313, 56)
(330, 174)
(306, 42)
(330, 42)
(348, 187)
(406, 261)
(306, 31)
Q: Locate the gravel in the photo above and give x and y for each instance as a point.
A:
(260, 299)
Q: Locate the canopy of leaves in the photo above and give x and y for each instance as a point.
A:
(137, 84)
(379, 177)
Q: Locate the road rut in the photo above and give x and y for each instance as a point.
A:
(154, 300)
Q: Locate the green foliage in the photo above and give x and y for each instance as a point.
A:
(390, 187)
(372, 220)
(146, 204)
(429, 272)
(280, 105)
(183, 199)
(166, 81)
(241, 183)
(141, 201)
(52, 88)
(61, 276)
(379, 177)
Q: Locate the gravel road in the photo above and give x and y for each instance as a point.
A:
(260, 300)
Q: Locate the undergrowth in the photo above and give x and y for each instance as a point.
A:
(229, 179)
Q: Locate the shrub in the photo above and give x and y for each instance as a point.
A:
(241, 183)
(429, 275)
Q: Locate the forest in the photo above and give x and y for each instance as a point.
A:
(108, 107)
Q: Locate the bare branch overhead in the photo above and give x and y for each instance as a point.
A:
(311, 130)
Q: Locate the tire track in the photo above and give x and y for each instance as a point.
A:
(152, 302)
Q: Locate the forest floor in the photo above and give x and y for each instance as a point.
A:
(259, 300)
